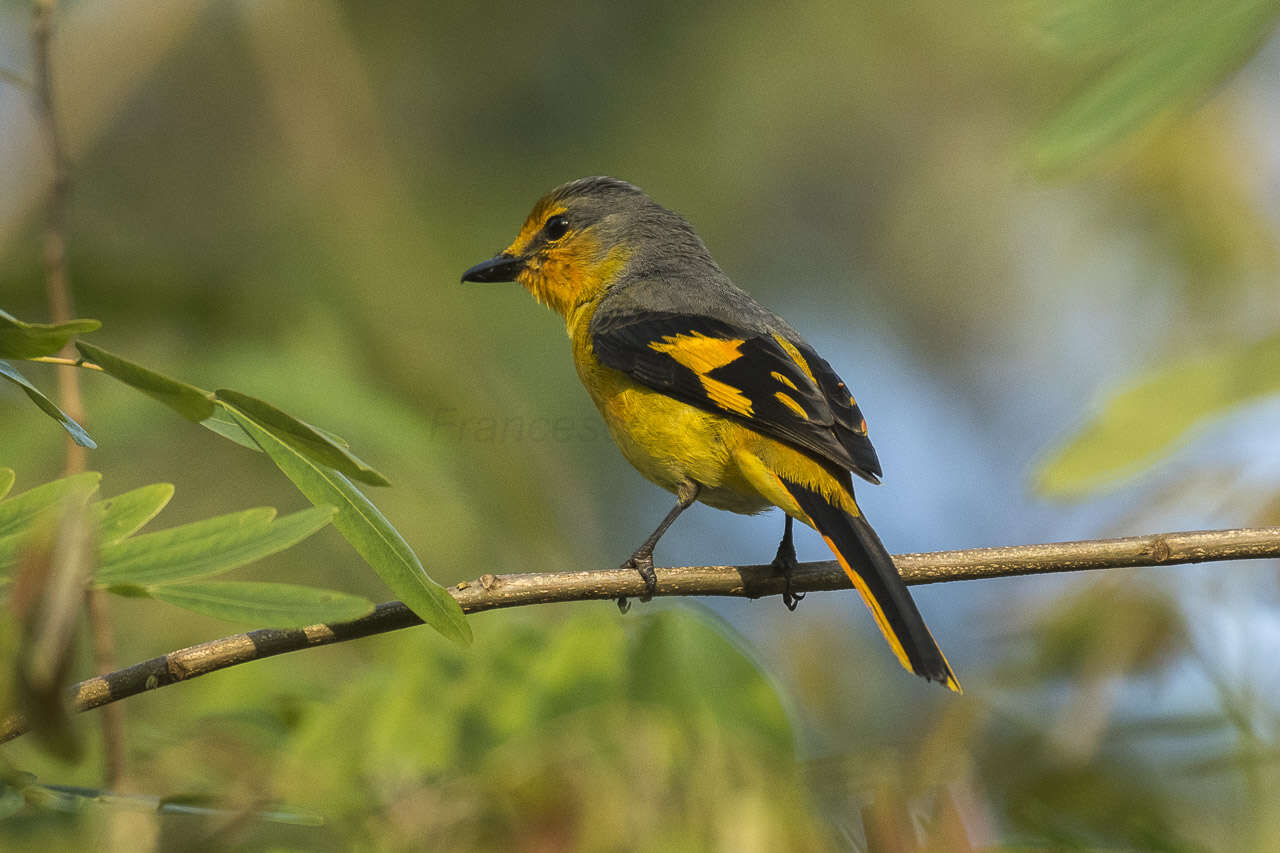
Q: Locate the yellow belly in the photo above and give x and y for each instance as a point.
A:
(668, 441)
(671, 442)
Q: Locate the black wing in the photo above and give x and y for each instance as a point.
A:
(776, 385)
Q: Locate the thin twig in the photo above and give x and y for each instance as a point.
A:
(57, 278)
(490, 592)
(66, 362)
(58, 289)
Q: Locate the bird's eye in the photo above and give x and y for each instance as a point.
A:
(556, 227)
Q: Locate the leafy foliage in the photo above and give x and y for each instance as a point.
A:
(189, 401)
(125, 514)
(316, 461)
(1167, 55)
(1136, 427)
(205, 548)
(166, 565)
(303, 437)
(367, 529)
(20, 512)
(546, 734)
(19, 339)
(77, 433)
(256, 603)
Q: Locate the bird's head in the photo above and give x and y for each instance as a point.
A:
(583, 236)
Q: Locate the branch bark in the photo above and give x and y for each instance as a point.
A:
(491, 592)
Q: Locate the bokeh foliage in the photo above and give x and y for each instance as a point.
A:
(1022, 206)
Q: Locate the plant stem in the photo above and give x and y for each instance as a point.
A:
(61, 308)
(67, 362)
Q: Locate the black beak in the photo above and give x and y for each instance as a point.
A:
(502, 267)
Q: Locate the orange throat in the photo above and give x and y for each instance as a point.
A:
(555, 282)
(566, 278)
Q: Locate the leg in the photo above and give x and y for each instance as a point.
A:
(642, 559)
(785, 562)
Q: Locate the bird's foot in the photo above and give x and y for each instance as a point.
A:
(643, 563)
(785, 563)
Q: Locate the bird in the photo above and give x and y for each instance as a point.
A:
(706, 392)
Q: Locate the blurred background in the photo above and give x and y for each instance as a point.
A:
(1038, 240)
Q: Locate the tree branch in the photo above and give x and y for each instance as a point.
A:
(491, 592)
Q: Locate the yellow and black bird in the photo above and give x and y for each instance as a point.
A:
(706, 392)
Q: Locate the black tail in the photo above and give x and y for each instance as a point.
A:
(865, 560)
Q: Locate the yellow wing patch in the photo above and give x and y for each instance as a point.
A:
(698, 352)
(703, 354)
(784, 379)
(791, 404)
(795, 355)
(726, 396)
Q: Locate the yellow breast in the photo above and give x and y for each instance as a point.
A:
(668, 441)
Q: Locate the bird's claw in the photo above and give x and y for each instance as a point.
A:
(642, 563)
(784, 564)
(791, 600)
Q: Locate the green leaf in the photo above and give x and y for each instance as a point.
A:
(205, 548)
(194, 404)
(115, 517)
(128, 590)
(125, 514)
(6, 481)
(334, 437)
(303, 437)
(33, 340)
(368, 531)
(19, 512)
(227, 427)
(1182, 50)
(78, 435)
(276, 605)
(10, 548)
(1139, 425)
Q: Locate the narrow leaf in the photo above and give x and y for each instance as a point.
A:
(78, 435)
(125, 514)
(194, 404)
(115, 518)
(333, 437)
(11, 547)
(368, 531)
(206, 548)
(33, 340)
(275, 605)
(20, 511)
(6, 481)
(1141, 424)
(227, 427)
(303, 437)
(1181, 52)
